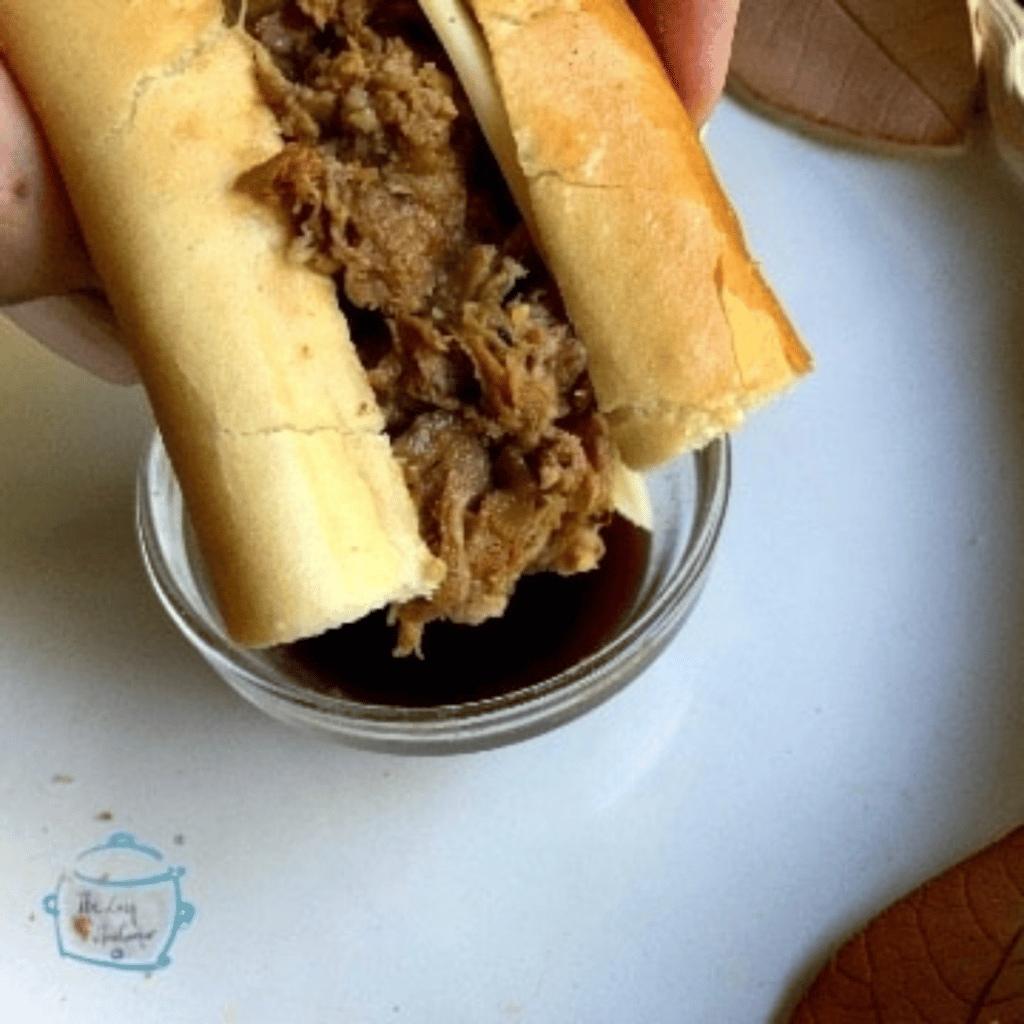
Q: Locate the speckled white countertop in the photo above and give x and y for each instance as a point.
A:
(842, 716)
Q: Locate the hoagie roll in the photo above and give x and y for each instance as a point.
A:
(188, 137)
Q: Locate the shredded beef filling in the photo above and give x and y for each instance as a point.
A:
(391, 190)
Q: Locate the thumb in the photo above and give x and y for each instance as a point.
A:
(694, 38)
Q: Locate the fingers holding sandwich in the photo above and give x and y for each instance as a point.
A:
(42, 253)
(694, 40)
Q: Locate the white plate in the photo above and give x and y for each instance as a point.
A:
(842, 716)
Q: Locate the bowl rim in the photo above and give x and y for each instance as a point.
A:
(467, 725)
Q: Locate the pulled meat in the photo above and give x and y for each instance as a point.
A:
(390, 190)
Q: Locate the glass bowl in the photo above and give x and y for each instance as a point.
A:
(555, 655)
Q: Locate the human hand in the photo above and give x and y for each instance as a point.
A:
(42, 253)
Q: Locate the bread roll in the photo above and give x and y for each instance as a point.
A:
(152, 112)
(684, 336)
(301, 511)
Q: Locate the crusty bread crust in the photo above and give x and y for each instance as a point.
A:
(684, 335)
(152, 111)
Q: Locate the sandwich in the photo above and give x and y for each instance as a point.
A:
(414, 291)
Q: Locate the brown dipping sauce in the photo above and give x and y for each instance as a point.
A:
(551, 623)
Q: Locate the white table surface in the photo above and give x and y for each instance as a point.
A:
(842, 716)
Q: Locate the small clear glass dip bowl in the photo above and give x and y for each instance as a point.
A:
(484, 689)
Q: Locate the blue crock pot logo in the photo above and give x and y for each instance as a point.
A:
(120, 906)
